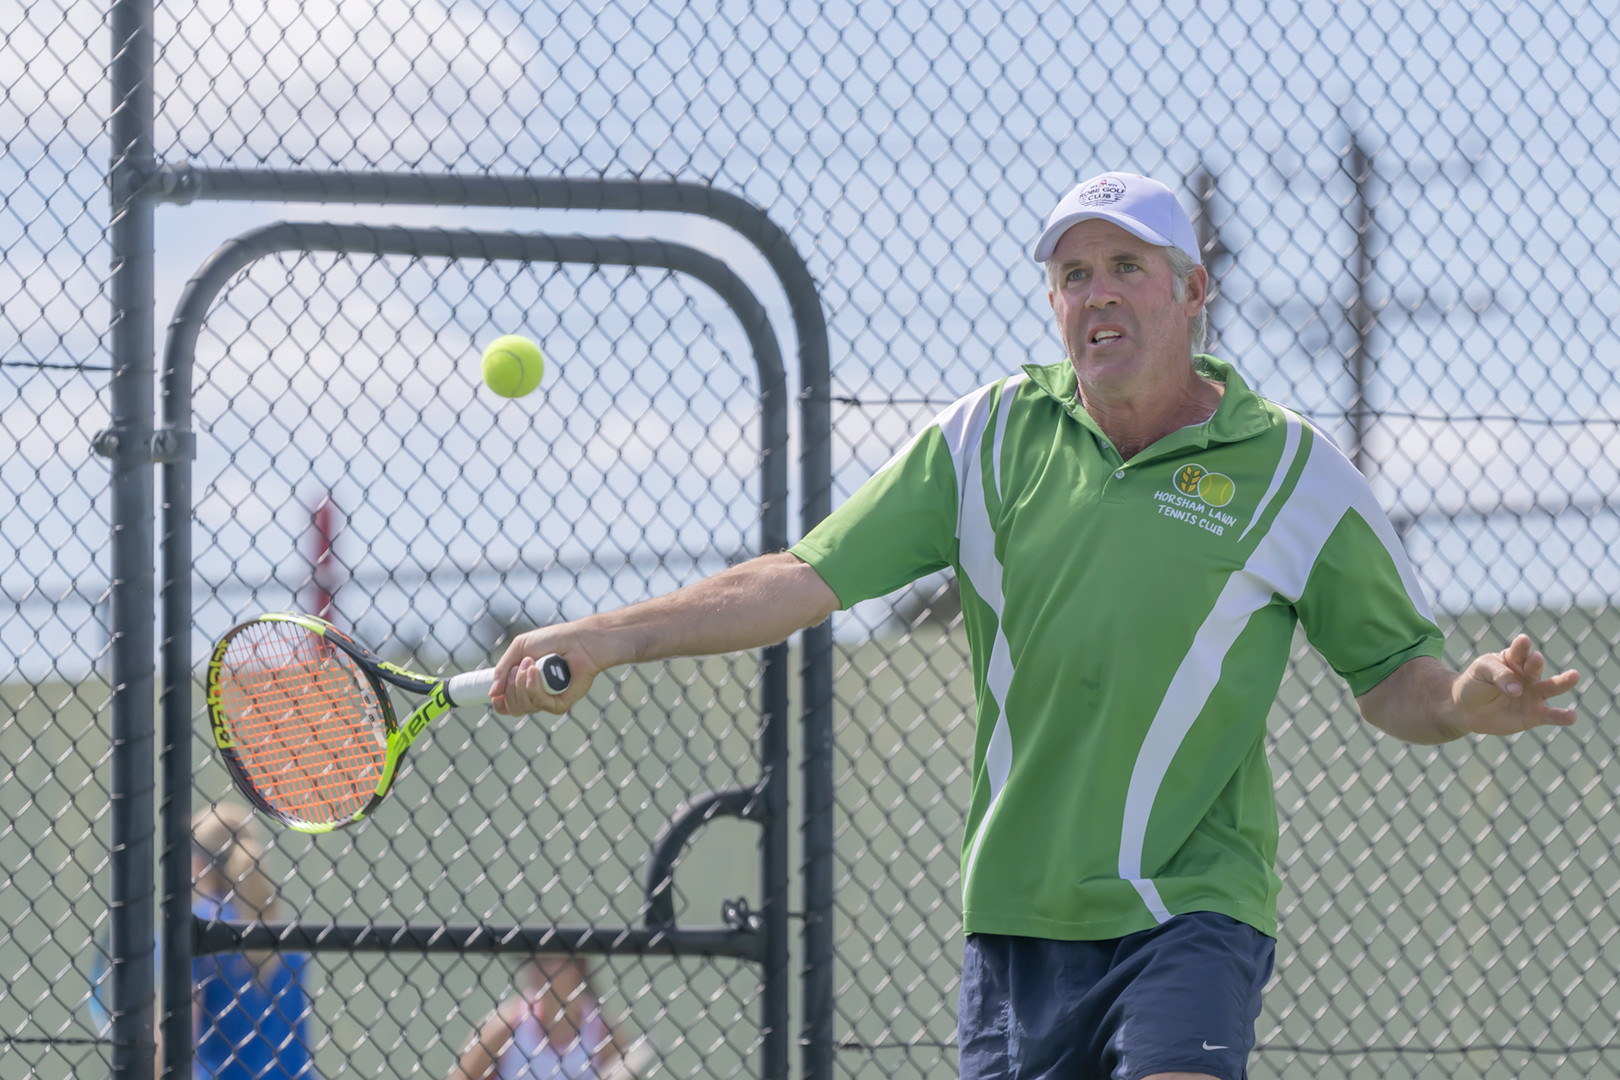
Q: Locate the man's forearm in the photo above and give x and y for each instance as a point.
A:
(757, 603)
(753, 604)
(1501, 693)
(1415, 703)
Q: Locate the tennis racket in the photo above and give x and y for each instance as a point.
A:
(301, 716)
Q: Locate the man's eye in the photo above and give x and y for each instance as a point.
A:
(1128, 267)
(1076, 275)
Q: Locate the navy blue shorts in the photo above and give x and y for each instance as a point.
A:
(1181, 997)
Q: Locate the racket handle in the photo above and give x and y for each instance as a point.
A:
(555, 674)
(470, 687)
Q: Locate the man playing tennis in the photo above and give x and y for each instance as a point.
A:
(1136, 534)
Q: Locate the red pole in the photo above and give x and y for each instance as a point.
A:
(323, 564)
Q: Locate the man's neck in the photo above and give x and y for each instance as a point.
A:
(1133, 423)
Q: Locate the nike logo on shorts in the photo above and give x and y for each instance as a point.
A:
(1209, 1047)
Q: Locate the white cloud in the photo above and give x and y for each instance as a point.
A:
(54, 62)
(395, 80)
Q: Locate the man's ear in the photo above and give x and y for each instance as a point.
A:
(1198, 288)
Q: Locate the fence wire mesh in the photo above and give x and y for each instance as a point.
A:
(359, 468)
(54, 754)
(1407, 209)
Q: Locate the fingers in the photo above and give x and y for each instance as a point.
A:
(519, 685)
(1497, 671)
(526, 692)
(518, 689)
(1517, 652)
(1518, 666)
(1525, 660)
(1542, 713)
(1503, 693)
(1561, 683)
(1557, 717)
(1513, 683)
(503, 672)
(1512, 679)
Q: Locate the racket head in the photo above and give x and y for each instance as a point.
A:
(301, 720)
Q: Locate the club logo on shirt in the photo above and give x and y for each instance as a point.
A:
(1196, 497)
(1215, 489)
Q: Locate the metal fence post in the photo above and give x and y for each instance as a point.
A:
(820, 790)
(128, 444)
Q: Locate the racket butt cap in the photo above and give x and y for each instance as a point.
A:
(555, 674)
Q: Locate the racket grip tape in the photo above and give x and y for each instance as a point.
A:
(470, 687)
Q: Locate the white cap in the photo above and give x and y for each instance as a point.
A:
(1141, 206)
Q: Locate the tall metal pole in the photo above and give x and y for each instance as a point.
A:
(128, 443)
(1362, 316)
(1210, 249)
(819, 831)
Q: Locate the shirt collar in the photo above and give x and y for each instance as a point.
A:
(1242, 413)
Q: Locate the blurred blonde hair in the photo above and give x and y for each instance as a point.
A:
(228, 835)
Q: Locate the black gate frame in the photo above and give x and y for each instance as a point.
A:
(763, 940)
(134, 443)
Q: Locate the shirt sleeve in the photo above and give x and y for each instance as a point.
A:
(1361, 607)
(899, 525)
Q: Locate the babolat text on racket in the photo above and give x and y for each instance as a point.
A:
(301, 716)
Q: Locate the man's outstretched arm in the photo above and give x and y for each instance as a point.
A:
(1501, 693)
(748, 606)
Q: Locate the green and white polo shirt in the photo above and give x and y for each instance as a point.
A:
(1130, 623)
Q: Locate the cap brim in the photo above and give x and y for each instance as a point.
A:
(1055, 230)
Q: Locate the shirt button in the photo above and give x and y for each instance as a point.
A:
(1119, 475)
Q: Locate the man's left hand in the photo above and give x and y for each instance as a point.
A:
(1503, 693)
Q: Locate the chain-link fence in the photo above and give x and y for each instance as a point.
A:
(1407, 210)
(340, 380)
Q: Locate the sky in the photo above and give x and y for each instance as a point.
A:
(910, 150)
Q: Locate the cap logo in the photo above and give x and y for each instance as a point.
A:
(1101, 192)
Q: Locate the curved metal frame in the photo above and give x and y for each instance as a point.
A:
(139, 184)
(766, 803)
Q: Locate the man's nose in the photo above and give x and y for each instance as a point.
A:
(1101, 295)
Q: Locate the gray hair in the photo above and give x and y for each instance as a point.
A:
(1181, 268)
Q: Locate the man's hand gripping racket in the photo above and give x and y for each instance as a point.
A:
(526, 678)
(302, 718)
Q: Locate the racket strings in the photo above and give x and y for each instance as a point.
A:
(305, 720)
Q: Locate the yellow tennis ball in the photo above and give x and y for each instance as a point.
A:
(513, 365)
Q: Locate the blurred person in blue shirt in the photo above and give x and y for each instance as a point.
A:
(250, 1012)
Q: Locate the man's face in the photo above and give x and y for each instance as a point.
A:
(1114, 299)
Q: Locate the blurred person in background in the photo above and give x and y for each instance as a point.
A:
(552, 1029)
(249, 1010)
